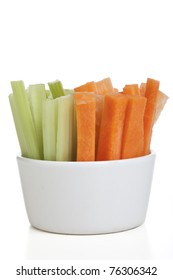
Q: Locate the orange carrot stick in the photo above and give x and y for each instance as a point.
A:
(99, 112)
(104, 86)
(152, 87)
(88, 87)
(131, 89)
(160, 103)
(160, 100)
(115, 90)
(111, 129)
(101, 88)
(142, 89)
(133, 134)
(85, 118)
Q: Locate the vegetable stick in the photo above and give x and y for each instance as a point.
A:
(132, 89)
(68, 91)
(86, 122)
(37, 95)
(18, 126)
(56, 89)
(48, 94)
(142, 89)
(64, 146)
(26, 119)
(100, 88)
(152, 87)
(133, 134)
(99, 112)
(88, 87)
(49, 121)
(74, 149)
(111, 130)
(160, 103)
(115, 90)
(105, 86)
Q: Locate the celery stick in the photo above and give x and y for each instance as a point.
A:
(69, 91)
(56, 89)
(49, 120)
(64, 148)
(18, 126)
(25, 116)
(37, 94)
(49, 94)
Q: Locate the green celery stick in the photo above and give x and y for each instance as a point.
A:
(37, 94)
(56, 89)
(18, 126)
(64, 148)
(25, 116)
(48, 94)
(49, 121)
(69, 91)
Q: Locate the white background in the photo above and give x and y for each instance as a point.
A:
(78, 41)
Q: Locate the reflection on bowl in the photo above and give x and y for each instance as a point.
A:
(86, 197)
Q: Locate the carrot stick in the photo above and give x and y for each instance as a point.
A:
(133, 134)
(131, 89)
(115, 90)
(160, 103)
(99, 112)
(142, 89)
(160, 100)
(152, 87)
(110, 137)
(101, 88)
(88, 87)
(105, 86)
(85, 118)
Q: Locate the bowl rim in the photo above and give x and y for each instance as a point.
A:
(75, 163)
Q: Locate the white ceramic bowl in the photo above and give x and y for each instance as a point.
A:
(86, 197)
